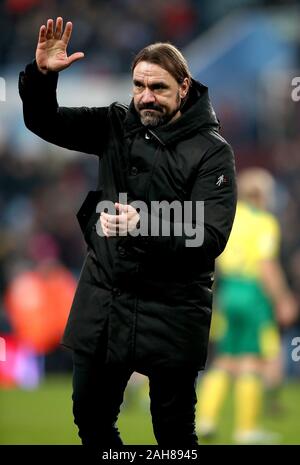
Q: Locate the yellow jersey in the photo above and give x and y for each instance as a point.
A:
(255, 236)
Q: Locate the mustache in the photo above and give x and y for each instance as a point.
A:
(150, 106)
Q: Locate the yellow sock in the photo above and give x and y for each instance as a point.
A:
(248, 402)
(212, 391)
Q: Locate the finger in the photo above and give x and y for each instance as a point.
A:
(67, 33)
(106, 224)
(112, 219)
(123, 220)
(115, 228)
(123, 232)
(58, 28)
(42, 34)
(105, 232)
(49, 33)
(75, 57)
(104, 229)
(122, 226)
(121, 207)
(112, 228)
(131, 213)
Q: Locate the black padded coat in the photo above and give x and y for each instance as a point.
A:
(148, 299)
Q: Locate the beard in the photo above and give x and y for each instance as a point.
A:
(160, 114)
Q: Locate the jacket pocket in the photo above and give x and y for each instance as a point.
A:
(88, 209)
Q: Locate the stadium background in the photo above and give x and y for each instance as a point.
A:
(247, 52)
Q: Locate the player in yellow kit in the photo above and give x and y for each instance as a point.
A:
(252, 296)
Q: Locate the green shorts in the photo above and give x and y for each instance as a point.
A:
(247, 320)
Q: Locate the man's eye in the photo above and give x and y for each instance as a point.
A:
(159, 87)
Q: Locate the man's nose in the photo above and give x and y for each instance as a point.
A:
(148, 96)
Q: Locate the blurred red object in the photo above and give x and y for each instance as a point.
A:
(177, 19)
(20, 6)
(38, 304)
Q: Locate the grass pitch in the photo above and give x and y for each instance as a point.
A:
(44, 416)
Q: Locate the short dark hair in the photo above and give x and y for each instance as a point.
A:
(168, 57)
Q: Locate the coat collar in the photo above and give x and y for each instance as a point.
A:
(197, 114)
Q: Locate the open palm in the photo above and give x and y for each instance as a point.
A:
(51, 52)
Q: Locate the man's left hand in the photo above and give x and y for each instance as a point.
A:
(121, 224)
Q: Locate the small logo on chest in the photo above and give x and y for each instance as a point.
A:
(222, 180)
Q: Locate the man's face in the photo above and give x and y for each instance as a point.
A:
(156, 94)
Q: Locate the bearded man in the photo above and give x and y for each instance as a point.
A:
(143, 301)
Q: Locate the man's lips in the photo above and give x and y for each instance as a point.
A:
(150, 109)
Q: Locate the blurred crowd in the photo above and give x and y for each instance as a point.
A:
(110, 32)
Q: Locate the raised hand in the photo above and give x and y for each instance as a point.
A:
(51, 52)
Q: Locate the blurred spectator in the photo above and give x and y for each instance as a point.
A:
(253, 299)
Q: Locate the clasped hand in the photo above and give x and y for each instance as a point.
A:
(120, 224)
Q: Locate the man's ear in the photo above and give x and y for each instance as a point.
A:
(184, 88)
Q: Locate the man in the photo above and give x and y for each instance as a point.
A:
(252, 296)
(143, 302)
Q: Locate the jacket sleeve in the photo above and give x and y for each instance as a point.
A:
(72, 128)
(210, 215)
